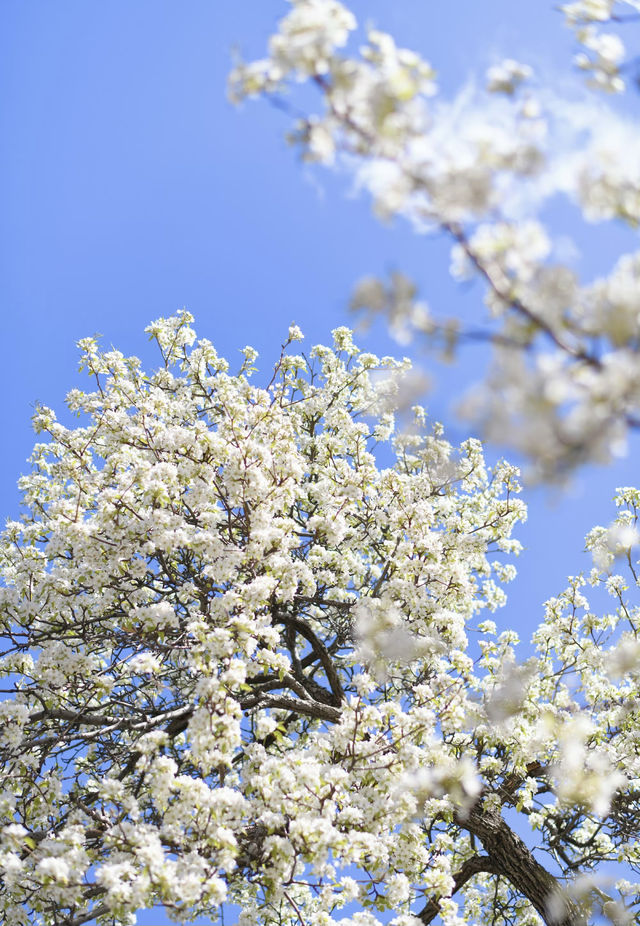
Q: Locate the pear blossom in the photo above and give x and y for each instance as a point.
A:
(506, 76)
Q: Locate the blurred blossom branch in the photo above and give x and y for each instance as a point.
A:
(478, 169)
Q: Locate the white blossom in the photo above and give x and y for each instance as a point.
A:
(507, 76)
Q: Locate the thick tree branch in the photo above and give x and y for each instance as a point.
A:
(517, 863)
(308, 708)
(471, 867)
(300, 626)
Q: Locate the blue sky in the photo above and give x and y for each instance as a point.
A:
(131, 188)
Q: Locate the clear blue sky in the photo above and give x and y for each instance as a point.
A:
(131, 188)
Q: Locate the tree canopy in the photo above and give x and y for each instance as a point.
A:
(250, 664)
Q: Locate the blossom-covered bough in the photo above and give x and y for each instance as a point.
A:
(247, 661)
(563, 386)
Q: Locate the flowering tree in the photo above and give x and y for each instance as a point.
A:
(563, 385)
(246, 654)
(246, 663)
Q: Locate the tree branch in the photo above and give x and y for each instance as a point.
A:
(309, 708)
(471, 867)
(513, 859)
(300, 626)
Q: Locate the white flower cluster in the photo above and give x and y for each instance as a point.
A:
(602, 58)
(507, 76)
(303, 46)
(604, 51)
